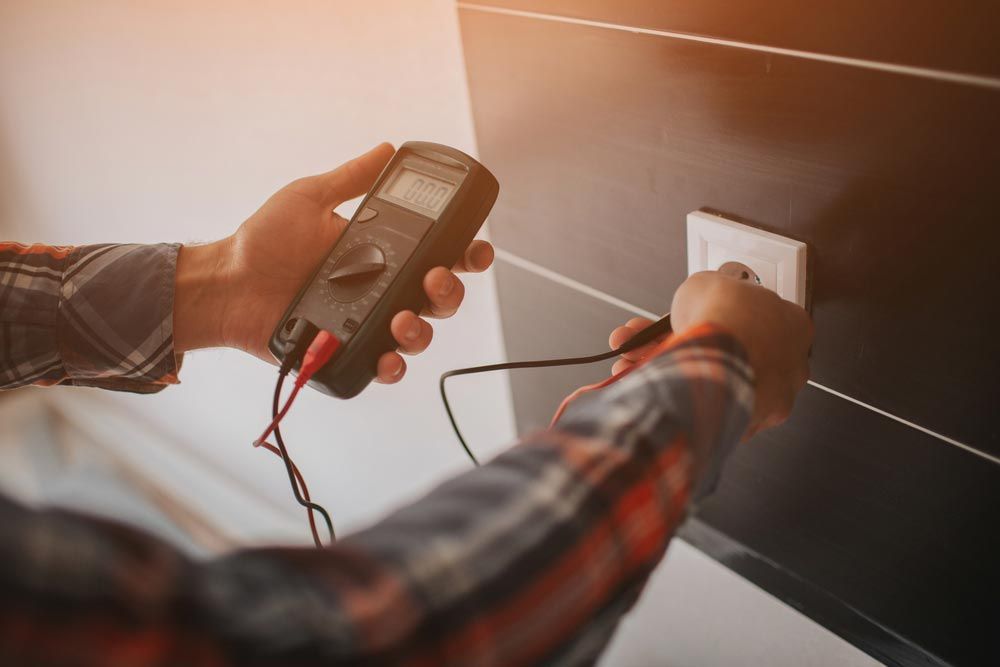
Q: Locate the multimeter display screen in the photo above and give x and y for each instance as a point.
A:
(418, 191)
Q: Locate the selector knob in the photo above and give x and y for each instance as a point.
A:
(356, 272)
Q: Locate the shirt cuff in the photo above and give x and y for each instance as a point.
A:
(114, 326)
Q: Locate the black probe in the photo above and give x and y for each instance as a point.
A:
(659, 328)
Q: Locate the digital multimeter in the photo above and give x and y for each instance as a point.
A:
(423, 211)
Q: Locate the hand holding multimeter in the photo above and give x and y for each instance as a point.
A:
(233, 291)
(422, 212)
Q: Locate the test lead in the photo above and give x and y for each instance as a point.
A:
(318, 352)
(661, 327)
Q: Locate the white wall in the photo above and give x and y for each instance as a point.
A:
(128, 121)
(173, 121)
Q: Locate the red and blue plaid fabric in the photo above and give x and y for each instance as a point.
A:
(530, 559)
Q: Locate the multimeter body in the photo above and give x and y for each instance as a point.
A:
(423, 211)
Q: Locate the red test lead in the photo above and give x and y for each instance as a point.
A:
(323, 346)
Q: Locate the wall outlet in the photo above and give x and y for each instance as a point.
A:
(779, 262)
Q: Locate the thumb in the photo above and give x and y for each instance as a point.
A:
(355, 177)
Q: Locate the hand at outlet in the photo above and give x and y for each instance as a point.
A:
(776, 334)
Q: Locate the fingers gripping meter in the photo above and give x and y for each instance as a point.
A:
(423, 211)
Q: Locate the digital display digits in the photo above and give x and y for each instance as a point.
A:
(418, 191)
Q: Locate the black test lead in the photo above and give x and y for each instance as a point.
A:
(657, 329)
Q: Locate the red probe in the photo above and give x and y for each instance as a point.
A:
(319, 352)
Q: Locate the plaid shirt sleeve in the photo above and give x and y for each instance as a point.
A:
(99, 316)
(530, 559)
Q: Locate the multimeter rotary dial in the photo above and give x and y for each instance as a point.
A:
(356, 272)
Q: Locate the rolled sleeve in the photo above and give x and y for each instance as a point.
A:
(98, 315)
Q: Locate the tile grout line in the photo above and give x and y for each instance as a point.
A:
(566, 281)
(918, 427)
(977, 80)
(515, 260)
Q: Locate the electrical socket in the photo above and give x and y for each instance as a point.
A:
(779, 262)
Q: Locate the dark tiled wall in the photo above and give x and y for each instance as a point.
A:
(961, 36)
(603, 140)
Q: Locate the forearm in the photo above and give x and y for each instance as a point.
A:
(534, 557)
(88, 315)
(111, 316)
(200, 304)
(531, 558)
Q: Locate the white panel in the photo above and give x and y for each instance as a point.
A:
(779, 262)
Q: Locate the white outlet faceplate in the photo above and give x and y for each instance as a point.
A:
(779, 262)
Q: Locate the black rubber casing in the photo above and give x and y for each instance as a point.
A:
(354, 365)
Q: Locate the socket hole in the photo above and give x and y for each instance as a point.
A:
(740, 271)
